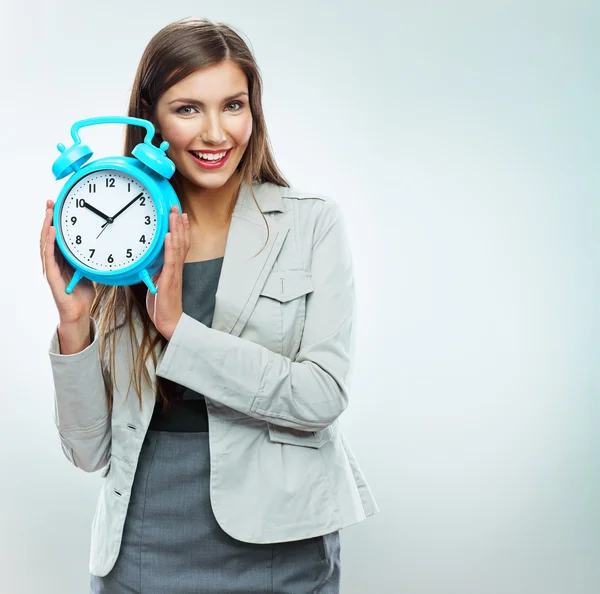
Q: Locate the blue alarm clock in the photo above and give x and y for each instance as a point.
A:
(112, 214)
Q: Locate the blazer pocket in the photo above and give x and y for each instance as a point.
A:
(285, 285)
(308, 439)
(277, 320)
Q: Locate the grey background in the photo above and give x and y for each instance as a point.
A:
(462, 140)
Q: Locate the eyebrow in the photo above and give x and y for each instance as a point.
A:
(190, 100)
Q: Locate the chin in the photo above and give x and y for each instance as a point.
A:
(212, 181)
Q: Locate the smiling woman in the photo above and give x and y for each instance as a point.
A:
(213, 405)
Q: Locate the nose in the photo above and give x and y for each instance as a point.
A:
(212, 130)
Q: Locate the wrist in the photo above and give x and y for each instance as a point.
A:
(169, 330)
(81, 324)
(74, 337)
(168, 333)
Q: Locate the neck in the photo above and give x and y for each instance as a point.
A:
(208, 208)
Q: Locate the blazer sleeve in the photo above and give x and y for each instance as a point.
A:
(307, 393)
(81, 405)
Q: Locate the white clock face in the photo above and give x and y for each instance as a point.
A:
(108, 220)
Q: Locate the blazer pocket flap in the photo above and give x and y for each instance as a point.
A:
(285, 285)
(309, 439)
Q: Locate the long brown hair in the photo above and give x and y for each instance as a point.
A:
(175, 52)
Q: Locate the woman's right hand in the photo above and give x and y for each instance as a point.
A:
(73, 308)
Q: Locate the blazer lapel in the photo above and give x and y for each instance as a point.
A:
(249, 256)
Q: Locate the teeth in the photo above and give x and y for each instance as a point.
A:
(209, 156)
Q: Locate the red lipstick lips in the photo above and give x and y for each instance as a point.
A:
(205, 164)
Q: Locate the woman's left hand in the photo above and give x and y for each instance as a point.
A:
(165, 308)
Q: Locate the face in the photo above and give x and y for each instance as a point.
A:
(207, 121)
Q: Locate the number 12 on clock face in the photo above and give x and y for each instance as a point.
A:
(108, 220)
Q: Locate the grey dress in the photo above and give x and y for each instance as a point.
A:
(172, 543)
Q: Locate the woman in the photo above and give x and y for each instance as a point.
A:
(212, 406)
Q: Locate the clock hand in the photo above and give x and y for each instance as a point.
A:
(104, 227)
(124, 208)
(95, 210)
(112, 219)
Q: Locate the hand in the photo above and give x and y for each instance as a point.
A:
(166, 306)
(87, 205)
(112, 219)
(76, 306)
(127, 205)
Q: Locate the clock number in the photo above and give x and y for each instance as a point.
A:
(78, 239)
(73, 220)
(110, 182)
(129, 253)
(110, 259)
(143, 201)
(93, 252)
(92, 188)
(147, 220)
(128, 186)
(80, 203)
(143, 239)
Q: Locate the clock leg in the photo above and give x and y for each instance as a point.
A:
(77, 276)
(146, 278)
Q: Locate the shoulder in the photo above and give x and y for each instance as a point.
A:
(307, 197)
(311, 214)
(321, 209)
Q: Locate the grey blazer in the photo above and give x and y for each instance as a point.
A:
(274, 368)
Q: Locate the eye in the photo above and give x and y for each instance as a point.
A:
(185, 107)
(235, 103)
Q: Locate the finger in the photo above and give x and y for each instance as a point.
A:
(150, 303)
(169, 242)
(43, 235)
(45, 227)
(172, 214)
(180, 238)
(186, 233)
(182, 231)
(51, 269)
(176, 237)
(49, 247)
(168, 260)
